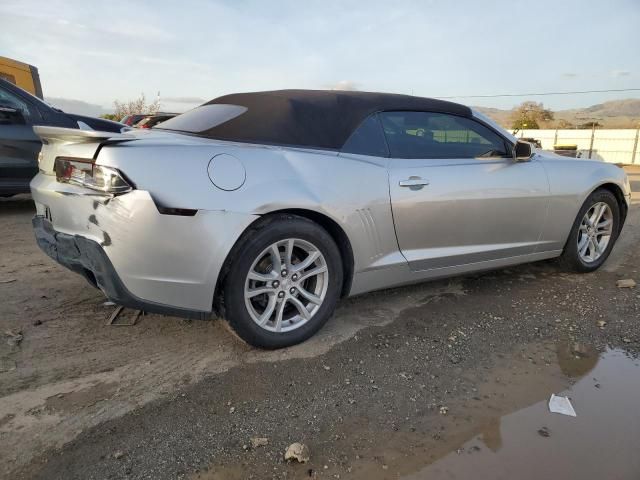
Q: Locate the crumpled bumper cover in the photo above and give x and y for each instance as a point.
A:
(87, 258)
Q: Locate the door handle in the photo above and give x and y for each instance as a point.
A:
(414, 182)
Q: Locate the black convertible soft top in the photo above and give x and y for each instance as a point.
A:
(309, 118)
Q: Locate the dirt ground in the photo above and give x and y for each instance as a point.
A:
(436, 380)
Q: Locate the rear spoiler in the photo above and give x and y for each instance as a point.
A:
(74, 135)
(72, 142)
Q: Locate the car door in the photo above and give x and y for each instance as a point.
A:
(19, 145)
(458, 197)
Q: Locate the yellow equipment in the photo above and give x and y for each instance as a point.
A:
(21, 74)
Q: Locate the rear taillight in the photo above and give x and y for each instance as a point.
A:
(84, 172)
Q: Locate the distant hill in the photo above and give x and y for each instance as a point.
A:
(612, 114)
(77, 106)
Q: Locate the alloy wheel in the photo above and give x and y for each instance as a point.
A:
(286, 285)
(595, 232)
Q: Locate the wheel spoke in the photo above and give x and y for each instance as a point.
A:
(594, 215)
(313, 272)
(262, 277)
(275, 258)
(279, 313)
(597, 247)
(288, 255)
(310, 296)
(583, 245)
(604, 228)
(259, 291)
(592, 249)
(300, 307)
(268, 311)
(599, 212)
(307, 262)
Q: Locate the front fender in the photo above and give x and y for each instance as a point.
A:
(571, 181)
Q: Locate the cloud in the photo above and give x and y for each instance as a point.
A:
(183, 99)
(620, 73)
(137, 30)
(344, 85)
(117, 49)
(78, 107)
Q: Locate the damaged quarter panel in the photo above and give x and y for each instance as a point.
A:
(277, 178)
(164, 259)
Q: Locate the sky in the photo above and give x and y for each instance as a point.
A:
(194, 50)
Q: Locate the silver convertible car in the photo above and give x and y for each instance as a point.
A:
(265, 208)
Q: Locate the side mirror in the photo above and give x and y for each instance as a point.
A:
(522, 151)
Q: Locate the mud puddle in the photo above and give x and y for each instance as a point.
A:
(502, 429)
(532, 443)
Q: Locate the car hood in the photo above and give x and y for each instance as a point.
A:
(551, 155)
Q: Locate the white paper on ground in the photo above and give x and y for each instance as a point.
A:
(561, 405)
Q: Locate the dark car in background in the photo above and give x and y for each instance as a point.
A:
(151, 121)
(19, 145)
(131, 120)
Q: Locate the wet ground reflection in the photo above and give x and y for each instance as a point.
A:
(532, 443)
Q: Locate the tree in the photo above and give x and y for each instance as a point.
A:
(110, 116)
(137, 106)
(530, 115)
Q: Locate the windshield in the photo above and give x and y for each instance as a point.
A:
(203, 118)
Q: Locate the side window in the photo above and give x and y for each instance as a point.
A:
(439, 135)
(11, 102)
(367, 139)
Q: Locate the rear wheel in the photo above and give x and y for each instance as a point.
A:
(594, 232)
(284, 283)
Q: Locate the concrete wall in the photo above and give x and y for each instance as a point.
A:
(609, 145)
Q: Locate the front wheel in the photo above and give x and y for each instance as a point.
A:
(594, 233)
(284, 283)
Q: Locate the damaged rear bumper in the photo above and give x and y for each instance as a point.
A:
(87, 258)
(138, 255)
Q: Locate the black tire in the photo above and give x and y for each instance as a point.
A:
(570, 258)
(250, 246)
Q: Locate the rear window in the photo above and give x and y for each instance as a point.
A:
(203, 118)
(368, 139)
